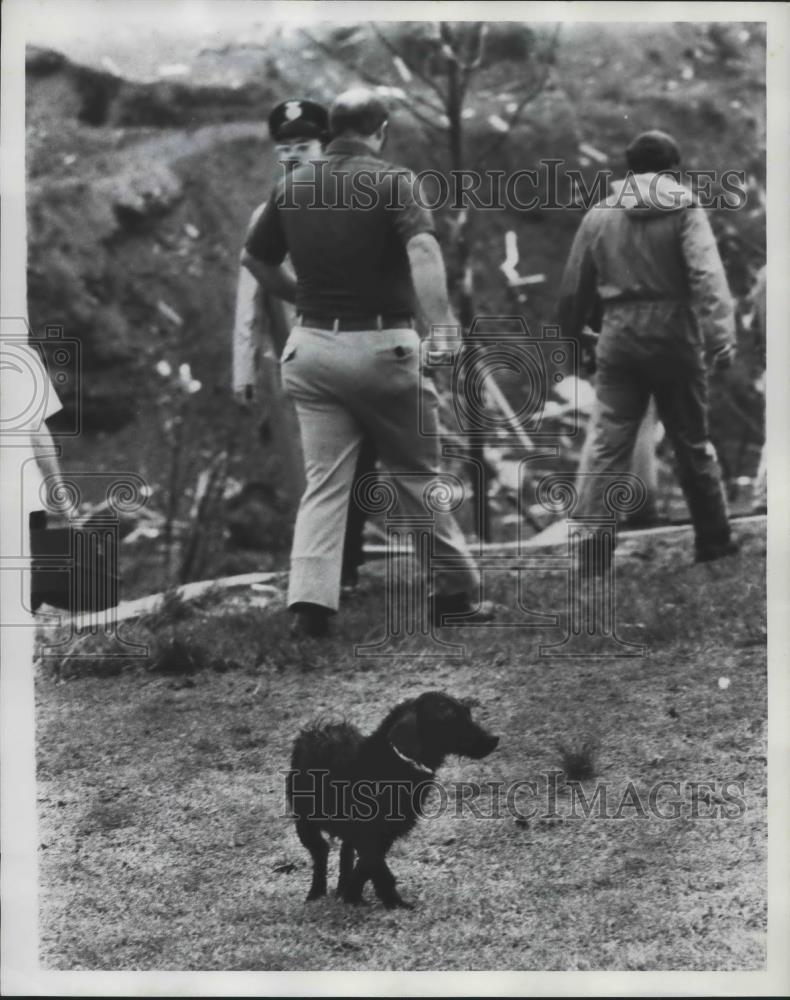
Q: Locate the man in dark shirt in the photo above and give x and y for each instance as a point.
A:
(363, 250)
(299, 130)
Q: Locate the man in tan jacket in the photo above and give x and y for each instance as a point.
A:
(648, 256)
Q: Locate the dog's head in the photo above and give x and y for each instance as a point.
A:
(435, 725)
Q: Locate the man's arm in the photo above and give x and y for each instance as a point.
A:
(265, 250)
(710, 292)
(430, 280)
(578, 288)
(274, 278)
(246, 339)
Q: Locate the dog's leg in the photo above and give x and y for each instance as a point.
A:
(384, 884)
(355, 883)
(311, 837)
(371, 865)
(346, 866)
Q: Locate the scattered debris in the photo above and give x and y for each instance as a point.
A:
(594, 154)
(403, 70)
(111, 66)
(498, 123)
(169, 313)
(173, 69)
(396, 92)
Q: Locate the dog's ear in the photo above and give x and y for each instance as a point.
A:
(404, 736)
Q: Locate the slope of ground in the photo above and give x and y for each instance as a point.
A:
(135, 223)
(164, 842)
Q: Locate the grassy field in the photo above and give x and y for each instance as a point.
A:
(163, 840)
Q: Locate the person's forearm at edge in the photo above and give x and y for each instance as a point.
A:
(273, 277)
(46, 452)
(430, 281)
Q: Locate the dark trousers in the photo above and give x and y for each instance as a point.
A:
(623, 390)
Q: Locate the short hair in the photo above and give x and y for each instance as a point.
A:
(359, 110)
(651, 152)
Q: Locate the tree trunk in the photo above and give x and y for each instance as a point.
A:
(463, 286)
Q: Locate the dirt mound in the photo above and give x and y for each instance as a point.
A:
(140, 192)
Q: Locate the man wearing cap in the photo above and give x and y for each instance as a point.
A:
(366, 258)
(647, 254)
(299, 130)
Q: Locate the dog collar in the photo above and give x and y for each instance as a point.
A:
(414, 763)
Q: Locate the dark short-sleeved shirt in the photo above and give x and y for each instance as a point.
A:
(345, 222)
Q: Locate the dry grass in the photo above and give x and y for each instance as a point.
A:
(164, 843)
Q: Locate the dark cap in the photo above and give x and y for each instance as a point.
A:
(651, 152)
(299, 120)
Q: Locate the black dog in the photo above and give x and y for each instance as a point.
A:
(369, 791)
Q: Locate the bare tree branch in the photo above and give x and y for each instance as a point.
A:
(339, 59)
(446, 38)
(429, 123)
(478, 36)
(526, 99)
(473, 63)
(424, 77)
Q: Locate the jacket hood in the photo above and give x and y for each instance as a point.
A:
(644, 196)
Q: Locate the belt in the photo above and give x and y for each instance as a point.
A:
(381, 321)
(636, 300)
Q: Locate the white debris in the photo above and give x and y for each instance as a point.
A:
(498, 123)
(403, 70)
(173, 69)
(164, 369)
(577, 391)
(510, 107)
(397, 92)
(687, 73)
(192, 231)
(508, 265)
(468, 113)
(724, 683)
(169, 313)
(594, 154)
(110, 66)
(69, 158)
